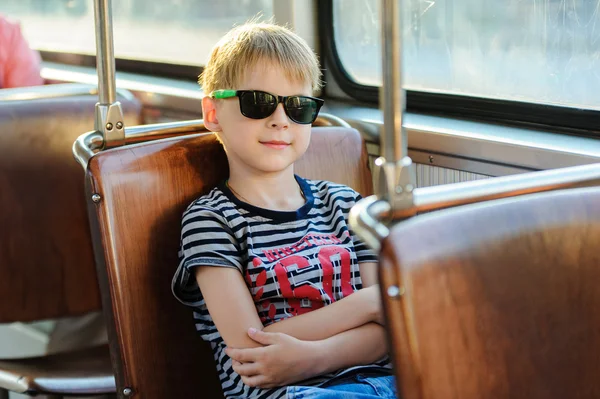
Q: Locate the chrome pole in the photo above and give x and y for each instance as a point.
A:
(393, 136)
(105, 53)
(394, 177)
(109, 115)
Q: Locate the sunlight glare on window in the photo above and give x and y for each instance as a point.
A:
(171, 31)
(543, 51)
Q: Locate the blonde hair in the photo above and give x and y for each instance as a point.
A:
(246, 45)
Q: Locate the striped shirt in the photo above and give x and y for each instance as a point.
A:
(293, 262)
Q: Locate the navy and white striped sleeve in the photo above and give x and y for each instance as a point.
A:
(206, 240)
(364, 254)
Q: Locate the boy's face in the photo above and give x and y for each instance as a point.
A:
(265, 145)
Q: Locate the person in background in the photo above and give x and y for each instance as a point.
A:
(19, 64)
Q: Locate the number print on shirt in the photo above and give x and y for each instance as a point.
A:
(305, 281)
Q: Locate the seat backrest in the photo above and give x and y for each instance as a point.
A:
(143, 191)
(46, 257)
(497, 300)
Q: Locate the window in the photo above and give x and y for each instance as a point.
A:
(538, 51)
(172, 31)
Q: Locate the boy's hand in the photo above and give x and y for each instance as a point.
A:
(283, 360)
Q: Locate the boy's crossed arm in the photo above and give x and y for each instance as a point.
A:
(340, 335)
(233, 311)
(285, 360)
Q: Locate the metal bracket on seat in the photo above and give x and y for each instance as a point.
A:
(395, 181)
(109, 123)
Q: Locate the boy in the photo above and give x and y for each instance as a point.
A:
(268, 253)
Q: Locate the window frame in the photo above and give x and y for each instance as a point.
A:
(568, 120)
(151, 68)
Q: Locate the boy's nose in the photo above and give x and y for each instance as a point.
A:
(279, 118)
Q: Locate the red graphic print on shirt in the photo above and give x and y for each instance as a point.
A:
(305, 274)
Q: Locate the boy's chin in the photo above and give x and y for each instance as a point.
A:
(273, 166)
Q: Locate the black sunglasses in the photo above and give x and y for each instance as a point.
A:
(257, 104)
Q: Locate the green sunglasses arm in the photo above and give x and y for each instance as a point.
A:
(222, 94)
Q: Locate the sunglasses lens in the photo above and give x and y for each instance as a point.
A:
(257, 104)
(302, 110)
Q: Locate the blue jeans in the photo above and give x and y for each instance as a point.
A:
(356, 386)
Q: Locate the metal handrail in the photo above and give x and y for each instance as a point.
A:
(89, 143)
(156, 131)
(368, 215)
(86, 146)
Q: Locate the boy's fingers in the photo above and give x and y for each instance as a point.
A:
(243, 355)
(254, 381)
(262, 337)
(246, 369)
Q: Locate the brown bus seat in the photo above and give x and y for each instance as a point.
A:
(46, 256)
(497, 300)
(143, 190)
(80, 372)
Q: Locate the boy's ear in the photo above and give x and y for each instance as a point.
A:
(209, 113)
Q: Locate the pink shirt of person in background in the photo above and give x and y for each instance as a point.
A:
(19, 64)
